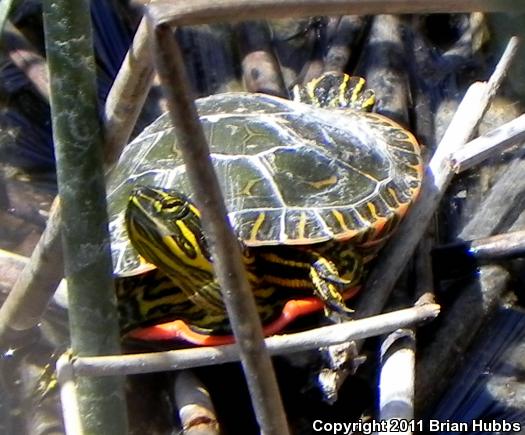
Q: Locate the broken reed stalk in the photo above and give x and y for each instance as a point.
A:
(396, 378)
(398, 351)
(277, 344)
(495, 141)
(384, 60)
(194, 406)
(77, 136)
(224, 246)
(38, 281)
(393, 258)
(498, 247)
(505, 245)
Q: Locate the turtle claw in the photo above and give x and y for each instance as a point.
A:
(337, 316)
(337, 309)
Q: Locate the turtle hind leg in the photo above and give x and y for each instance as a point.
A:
(328, 281)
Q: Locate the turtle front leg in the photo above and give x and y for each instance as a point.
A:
(329, 281)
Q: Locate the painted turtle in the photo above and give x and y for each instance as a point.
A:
(312, 191)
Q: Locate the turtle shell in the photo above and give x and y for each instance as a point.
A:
(291, 174)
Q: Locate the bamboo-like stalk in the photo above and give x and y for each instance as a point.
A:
(77, 135)
(224, 246)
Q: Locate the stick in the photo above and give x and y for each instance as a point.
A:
(279, 344)
(490, 144)
(224, 246)
(202, 11)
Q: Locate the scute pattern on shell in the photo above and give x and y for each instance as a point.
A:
(290, 173)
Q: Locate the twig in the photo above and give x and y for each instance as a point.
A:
(202, 11)
(501, 246)
(491, 143)
(224, 246)
(279, 344)
(393, 258)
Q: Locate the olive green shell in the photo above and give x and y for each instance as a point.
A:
(290, 173)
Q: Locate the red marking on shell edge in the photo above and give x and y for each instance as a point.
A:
(179, 330)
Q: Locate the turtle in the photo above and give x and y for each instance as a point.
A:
(314, 186)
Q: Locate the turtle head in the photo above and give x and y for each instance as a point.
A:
(164, 226)
(335, 90)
